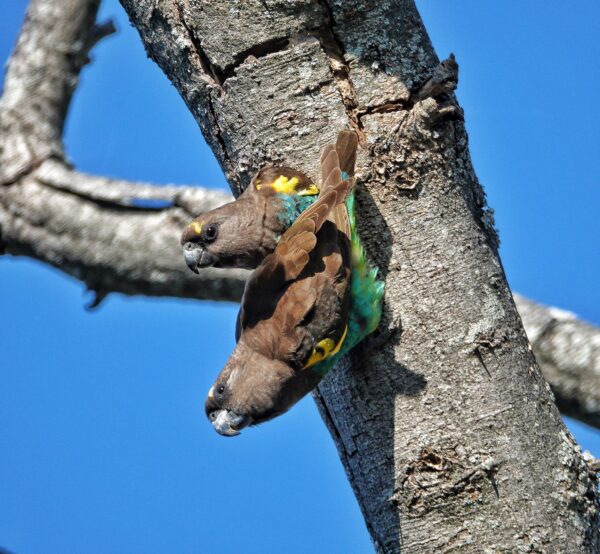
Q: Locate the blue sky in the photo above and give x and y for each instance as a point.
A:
(106, 448)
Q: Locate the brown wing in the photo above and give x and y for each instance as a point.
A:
(298, 241)
(345, 148)
(329, 162)
(291, 255)
(340, 217)
(342, 156)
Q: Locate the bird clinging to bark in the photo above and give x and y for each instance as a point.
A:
(243, 232)
(307, 304)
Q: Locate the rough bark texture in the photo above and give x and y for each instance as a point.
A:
(41, 216)
(113, 235)
(449, 434)
(568, 351)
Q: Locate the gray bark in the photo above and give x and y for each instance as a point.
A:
(448, 434)
(568, 351)
(113, 235)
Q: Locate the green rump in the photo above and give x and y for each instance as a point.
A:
(366, 294)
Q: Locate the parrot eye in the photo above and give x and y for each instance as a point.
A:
(219, 390)
(210, 233)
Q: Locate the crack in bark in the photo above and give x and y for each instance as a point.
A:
(218, 134)
(333, 47)
(257, 51)
(211, 71)
(479, 356)
(216, 78)
(435, 476)
(440, 86)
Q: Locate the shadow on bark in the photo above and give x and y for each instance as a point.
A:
(374, 378)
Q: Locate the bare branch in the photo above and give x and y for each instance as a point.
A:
(568, 351)
(112, 235)
(42, 74)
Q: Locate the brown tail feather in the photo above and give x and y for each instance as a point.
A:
(329, 162)
(346, 145)
(332, 180)
(340, 214)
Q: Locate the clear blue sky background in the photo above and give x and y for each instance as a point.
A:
(105, 448)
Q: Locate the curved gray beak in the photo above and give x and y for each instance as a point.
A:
(228, 423)
(197, 257)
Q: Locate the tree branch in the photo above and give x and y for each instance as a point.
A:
(568, 351)
(51, 196)
(42, 74)
(113, 235)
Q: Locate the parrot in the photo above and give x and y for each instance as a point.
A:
(241, 233)
(307, 304)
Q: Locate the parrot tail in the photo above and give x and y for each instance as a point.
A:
(366, 289)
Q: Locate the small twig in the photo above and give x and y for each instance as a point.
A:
(100, 31)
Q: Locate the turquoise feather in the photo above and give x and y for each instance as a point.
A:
(293, 206)
(366, 294)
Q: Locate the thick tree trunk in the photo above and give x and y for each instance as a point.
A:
(89, 226)
(446, 428)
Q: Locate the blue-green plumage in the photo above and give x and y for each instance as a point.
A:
(366, 294)
(292, 207)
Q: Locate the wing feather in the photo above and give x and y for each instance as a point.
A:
(292, 254)
(329, 163)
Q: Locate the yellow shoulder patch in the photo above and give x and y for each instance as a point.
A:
(310, 190)
(283, 185)
(325, 349)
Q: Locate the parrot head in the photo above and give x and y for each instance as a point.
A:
(224, 237)
(252, 389)
(241, 233)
